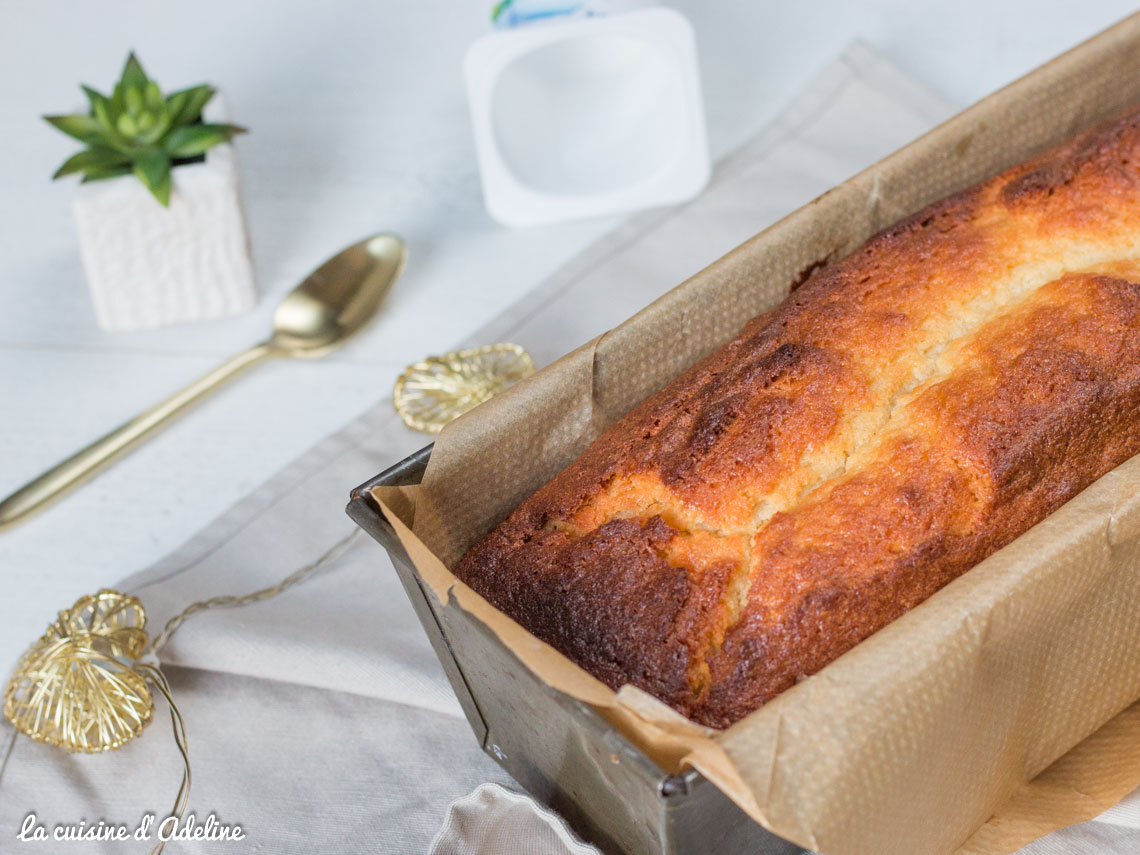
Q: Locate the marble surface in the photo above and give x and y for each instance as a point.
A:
(358, 124)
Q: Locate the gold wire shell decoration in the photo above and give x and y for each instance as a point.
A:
(432, 393)
(77, 687)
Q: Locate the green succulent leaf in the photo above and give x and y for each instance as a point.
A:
(152, 166)
(133, 99)
(94, 96)
(96, 157)
(116, 104)
(104, 173)
(133, 76)
(499, 8)
(193, 140)
(127, 126)
(101, 112)
(185, 106)
(155, 126)
(153, 97)
(84, 128)
(100, 107)
(175, 104)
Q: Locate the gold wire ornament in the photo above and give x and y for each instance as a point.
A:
(432, 393)
(77, 687)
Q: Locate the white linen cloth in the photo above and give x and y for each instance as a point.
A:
(320, 720)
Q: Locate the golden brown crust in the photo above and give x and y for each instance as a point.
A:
(904, 414)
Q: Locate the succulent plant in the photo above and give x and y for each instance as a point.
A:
(138, 129)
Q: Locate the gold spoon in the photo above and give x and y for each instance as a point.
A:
(333, 302)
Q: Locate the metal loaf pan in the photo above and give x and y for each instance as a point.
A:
(559, 749)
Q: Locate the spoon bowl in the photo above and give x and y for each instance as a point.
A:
(330, 306)
(338, 298)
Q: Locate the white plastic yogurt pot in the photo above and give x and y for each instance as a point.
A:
(585, 116)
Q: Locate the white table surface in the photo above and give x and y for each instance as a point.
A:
(358, 124)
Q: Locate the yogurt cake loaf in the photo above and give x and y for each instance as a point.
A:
(905, 413)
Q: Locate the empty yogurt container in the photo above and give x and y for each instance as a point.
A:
(587, 116)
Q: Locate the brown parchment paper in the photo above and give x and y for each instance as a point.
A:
(998, 710)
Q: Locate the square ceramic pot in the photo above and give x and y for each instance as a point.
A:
(149, 266)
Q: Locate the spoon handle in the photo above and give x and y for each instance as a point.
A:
(86, 462)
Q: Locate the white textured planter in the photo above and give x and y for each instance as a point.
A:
(150, 266)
